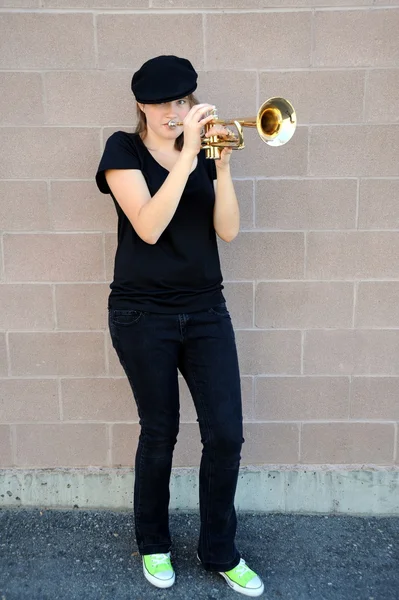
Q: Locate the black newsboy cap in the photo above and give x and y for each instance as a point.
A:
(163, 79)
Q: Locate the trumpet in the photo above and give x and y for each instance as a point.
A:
(275, 123)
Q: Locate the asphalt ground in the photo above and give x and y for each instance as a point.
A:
(91, 555)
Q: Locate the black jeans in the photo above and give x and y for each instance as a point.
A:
(152, 348)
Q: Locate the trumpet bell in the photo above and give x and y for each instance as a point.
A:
(276, 121)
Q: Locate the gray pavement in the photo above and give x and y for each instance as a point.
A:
(91, 555)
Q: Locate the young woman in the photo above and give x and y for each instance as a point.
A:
(167, 312)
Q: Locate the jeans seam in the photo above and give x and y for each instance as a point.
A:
(138, 508)
(140, 449)
(209, 431)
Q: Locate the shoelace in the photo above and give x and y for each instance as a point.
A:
(159, 559)
(241, 569)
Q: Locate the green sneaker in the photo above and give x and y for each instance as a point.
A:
(242, 579)
(158, 570)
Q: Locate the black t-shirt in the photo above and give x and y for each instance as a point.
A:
(181, 272)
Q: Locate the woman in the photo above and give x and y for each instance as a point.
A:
(167, 311)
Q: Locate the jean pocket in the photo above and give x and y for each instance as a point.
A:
(125, 317)
(220, 310)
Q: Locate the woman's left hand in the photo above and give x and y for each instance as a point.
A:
(224, 134)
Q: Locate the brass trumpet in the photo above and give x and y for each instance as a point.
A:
(275, 123)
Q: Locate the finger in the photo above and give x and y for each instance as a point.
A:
(201, 108)
(206, 119)
(221, 132)
(202, 104)
(217, 130)
(195, 117)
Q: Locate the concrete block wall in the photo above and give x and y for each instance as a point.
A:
(312, 280)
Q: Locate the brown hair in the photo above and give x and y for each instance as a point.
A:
(141, 127)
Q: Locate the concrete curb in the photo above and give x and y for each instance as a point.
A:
(334, 489)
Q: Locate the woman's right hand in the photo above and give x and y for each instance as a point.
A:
(192, 126)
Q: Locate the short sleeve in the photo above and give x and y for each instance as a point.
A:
(119, 153)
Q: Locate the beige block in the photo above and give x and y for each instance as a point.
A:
(53, 257)
(245, 195)
(89, 98)
(269, 352)
(306, 203)
(257, 4)
(29, 400)
(108, 131)
(27, 307)
(61, 445)
(257, 50)
(301, 398)
(189, 447)
(260, 255)
(78, 206)
(248, 402)
(100, 399)
(187, 409)
(46, 41)
(303, 305)
(62, 354)
(124, 440)
(21, 100)
(352, 352)
(239, 299)
(381, 101)
(354, 151)
(377, 304)
(49, 152)
(270, 443)
(3, 356)
(24, 206)
(347, 443)
(6, 454)
(258, 159)
(232, 92)
(318, 96)
(352, 255)
(375, 398)
(140, 37)
(20, 3)
(96, 4)
(82, 306)
(337, 41)
(111, 242)
(378, 205)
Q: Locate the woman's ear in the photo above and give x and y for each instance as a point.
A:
(141, 106)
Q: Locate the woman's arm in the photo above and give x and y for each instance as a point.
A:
(226, 215)
(151, 215)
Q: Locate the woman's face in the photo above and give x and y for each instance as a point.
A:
(159, 115)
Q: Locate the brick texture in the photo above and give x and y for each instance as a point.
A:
(311, 280)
